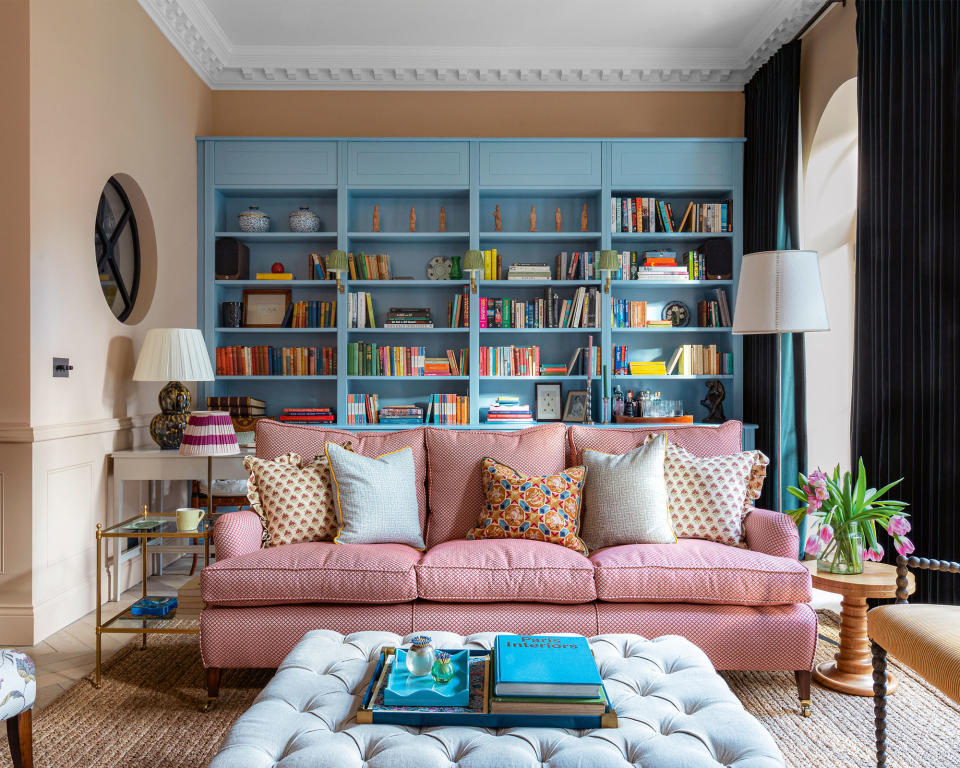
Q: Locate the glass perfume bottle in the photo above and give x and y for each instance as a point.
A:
(442, 670)
(420, 656)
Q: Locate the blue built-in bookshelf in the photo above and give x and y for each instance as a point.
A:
(343, 179)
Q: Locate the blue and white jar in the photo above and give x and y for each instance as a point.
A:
(253, 220)
(304, 220)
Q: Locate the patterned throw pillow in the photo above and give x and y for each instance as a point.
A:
(625, 498)
(710, 495)
(293, 497)
(520, 506)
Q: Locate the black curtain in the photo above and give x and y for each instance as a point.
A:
(771, 222)
(906, 410)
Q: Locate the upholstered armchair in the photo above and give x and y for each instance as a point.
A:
(18, 691)
(924, 637)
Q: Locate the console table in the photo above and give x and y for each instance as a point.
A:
(158, 465)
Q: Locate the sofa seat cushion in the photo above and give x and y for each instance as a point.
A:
(697, 571)
(314, 572)
(491, 570)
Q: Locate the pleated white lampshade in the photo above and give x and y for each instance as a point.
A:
(173, 354)
(780, 292)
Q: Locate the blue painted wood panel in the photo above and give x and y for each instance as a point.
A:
(408, 163)
(286, 163)
(673, 164)
(539, 164)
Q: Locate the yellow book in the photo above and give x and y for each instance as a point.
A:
(274, 276)
(352, 264)
(486, 265)
(371, 323)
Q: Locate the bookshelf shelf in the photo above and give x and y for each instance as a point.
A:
(344, 179)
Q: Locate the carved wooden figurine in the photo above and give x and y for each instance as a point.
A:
(413, 219)
(376, 218)
(497, 219)
(533, 218)
(443, 219)
(583, 219)
(558, 218)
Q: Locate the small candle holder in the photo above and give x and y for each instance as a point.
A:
(420, 656)
(442, 669)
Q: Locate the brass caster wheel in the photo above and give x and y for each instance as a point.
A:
(806, 709)
(209, 706)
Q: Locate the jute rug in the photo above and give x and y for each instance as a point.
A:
(147, 714)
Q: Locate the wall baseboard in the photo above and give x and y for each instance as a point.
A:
(17, 622)
(24, 433)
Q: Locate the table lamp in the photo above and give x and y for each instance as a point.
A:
(780, 292)
(172, 355)
(473, 263)
(609, 262)
(337, 263)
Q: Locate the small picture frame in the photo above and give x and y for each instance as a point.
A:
(575, 409)
(549, 402)
(265, 307)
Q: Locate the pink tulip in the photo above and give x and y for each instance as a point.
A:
(817, 478)
(898, 526)
(813, 506)
(822, 493)
(903, 545)
(812, 547)
(874, 554)
(826, 533)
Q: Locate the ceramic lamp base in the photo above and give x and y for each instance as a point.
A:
(167, 427)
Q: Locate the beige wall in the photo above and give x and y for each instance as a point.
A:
(828, 111)
(452, 113)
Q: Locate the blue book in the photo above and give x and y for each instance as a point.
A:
(545, 665)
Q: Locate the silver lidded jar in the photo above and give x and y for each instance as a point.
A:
(253, 220)
(304, 220)
(420, 656)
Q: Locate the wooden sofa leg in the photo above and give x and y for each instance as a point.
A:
(803, 688)
(20, 735)
(880, 702)
(213, 688)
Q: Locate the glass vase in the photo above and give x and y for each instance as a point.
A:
(843, 554)
(420, 656)
(455, 272)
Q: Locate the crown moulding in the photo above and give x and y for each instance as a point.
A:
(197, 36)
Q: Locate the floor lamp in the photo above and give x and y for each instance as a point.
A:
(780, 292)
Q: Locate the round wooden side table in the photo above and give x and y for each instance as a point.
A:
(852, 670)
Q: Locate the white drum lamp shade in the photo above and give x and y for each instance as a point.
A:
(780, 292)
(173, 354)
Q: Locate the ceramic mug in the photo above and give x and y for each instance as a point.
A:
(188, 518)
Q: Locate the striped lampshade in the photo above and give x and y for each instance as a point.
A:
(209, 433)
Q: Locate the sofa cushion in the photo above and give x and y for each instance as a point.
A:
(456, 493)
(697, 571)
(700, 440)
(275, 439)
(504, 569)
(318, 571)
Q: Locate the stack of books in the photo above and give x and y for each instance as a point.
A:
(308, 416)
(529, 272)
(408, 317)
(546, 675)
(237, 406)
(648, 368)
(399, 414)
(508, 410)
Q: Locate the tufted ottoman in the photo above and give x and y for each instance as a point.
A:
(674, 711)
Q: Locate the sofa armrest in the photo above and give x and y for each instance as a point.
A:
(237, 533)
(772, 533)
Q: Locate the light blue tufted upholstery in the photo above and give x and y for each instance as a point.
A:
(674, 711)
(18, 683)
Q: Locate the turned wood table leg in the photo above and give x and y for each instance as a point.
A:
(852, 669)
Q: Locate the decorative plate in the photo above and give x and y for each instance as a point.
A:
(438, 268)
(677, 313)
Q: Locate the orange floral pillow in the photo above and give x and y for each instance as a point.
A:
(529, 507)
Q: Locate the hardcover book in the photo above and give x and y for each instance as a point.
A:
(545, 665)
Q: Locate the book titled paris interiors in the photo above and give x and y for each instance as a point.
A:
(545, 665)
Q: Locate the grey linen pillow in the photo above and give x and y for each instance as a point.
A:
(625, 497)
(376, 499)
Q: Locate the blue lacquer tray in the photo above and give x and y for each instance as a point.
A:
(405, 690)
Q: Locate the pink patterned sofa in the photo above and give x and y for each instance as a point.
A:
(747, 608)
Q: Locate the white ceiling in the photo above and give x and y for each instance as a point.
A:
(482, 45)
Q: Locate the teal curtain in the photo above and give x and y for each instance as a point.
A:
(771, 221)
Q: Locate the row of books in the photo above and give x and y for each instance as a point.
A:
(276, 361)
(237, 405)
(582, 310)
(714, 313)
(510, 361)
(448, 409)
(367, 266)
(648, 214)
(509, 410)
(308, 416)
(458, 310)
(687, 360)
(442, 408)
(365, 358)
(660, 265)
(360, 310)
(492, 265)
(311, 314)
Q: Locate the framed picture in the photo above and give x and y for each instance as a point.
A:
(265, 307)
(576, 407)
(549, 402)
